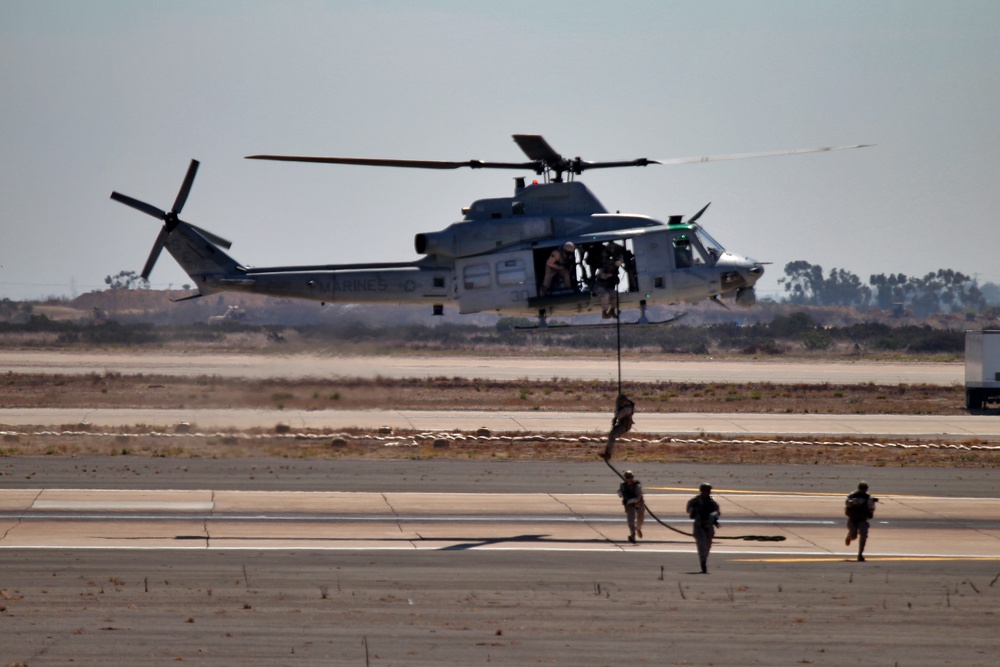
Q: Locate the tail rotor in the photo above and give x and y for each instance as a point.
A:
(170, 218)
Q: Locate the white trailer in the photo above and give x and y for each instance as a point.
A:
(982, 368)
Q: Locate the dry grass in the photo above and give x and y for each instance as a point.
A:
(285, 443)
(138, 391)
(114, 390)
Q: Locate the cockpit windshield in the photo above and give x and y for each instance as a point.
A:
(712, 247)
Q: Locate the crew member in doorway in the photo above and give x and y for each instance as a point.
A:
(606, 284)
(559, 264)
(859, 508)
(630, 491)
(621, 424)
(593, 258)
(628, 263)
(705, 512)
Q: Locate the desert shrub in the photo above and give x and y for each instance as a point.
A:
(817, 340)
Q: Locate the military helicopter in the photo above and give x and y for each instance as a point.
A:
(494, 259)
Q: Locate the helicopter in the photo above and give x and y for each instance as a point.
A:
(495, 258)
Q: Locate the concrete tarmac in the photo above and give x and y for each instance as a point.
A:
(497, 368)
(125, 561)
(806, 523)
(513, 563)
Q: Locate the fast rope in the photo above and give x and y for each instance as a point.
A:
(747, 538)
(618, 327)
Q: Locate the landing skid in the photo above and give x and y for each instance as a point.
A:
(643, 321)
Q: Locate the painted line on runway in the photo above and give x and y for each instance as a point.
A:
(817, 494)
(100, 515)
(123, 505)
(852, 558)
(746, 492)
(674, 490)
(607, 548)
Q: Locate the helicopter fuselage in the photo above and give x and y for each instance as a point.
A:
(493, 261)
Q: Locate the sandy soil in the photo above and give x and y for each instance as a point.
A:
(466, 608)
(136, 391)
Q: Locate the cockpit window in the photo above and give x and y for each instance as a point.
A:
(712, 247)
(694, 247)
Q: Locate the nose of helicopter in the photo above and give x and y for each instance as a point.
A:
(749, 270)
(754, 273)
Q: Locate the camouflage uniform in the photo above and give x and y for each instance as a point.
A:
(621, 423)
(859, 508)
(630, 492)
(705, 512)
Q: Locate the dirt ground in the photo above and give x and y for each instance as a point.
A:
(139, 391)
(131, 391)
(467, 608)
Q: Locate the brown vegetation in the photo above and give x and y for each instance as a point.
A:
(149, 391)
(113, 390)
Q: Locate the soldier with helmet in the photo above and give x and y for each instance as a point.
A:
(859, 508)
(559, 264)
(606, 284)
(705, 512)
(630, 491)
(621, 424)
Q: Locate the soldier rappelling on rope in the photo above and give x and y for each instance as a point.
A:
(621, 424)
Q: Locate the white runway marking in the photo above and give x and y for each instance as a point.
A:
(122, 505)
(811, 527)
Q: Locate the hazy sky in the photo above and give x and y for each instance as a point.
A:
(105, 95)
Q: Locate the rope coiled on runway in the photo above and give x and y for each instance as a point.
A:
(748, 538)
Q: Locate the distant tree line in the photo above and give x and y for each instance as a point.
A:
(943, 291)
(12, 310)
(126, 280)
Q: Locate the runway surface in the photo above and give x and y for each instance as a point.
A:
(387, 575)
(807, 524)
(124, 561)
(496, 368)
(928, 427)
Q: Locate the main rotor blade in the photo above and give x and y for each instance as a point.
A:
(388, 162)
(154, 253)
(638, 162)
(182, 195)
(697, 215)
(743, 156)
(148, 209)
(536, 148)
